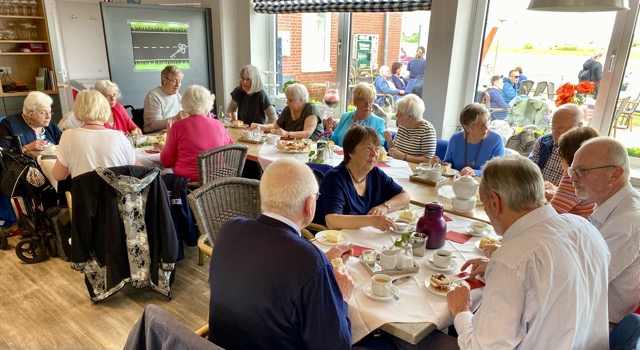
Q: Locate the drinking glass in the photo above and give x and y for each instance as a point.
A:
(332, 96)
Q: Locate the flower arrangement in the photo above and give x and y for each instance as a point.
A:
(577, 94)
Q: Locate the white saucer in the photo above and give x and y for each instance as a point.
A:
(321, 237)
(436, 292)
(367, 291)
(385, 161)
(411, 227)
(471, 232)
(431, 265)
(450, 173)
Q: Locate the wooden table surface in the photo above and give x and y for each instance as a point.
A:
(420, 193)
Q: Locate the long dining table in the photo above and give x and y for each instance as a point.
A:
(399, 170)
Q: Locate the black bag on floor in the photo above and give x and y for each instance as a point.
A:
(61, 219)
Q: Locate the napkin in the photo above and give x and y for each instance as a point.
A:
(339, 152)
(357, 250)
(447, 219)
(383, 165)
(473, 283)
(458, 237)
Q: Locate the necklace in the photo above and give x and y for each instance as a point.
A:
(472, 163)
(93, 124)
(353, 177)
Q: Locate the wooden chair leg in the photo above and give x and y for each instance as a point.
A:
(200, 257)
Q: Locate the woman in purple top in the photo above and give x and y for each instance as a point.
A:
(397, 80)
(416, 70)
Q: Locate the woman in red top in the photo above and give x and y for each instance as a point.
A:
(193, 135)
(119, 119)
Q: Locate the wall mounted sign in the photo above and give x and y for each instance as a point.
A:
(159, 44)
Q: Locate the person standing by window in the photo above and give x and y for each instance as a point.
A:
(592, 71)
(416, 70)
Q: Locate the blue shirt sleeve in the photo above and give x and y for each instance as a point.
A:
(343, 126)
(508, 91)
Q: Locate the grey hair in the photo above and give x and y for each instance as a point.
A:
(168, 71)
(384, 68)
(34, 100)
(364, 91)
(616, 152)
(252, 73)
(197, 100)
(573, 110)
(297, 92)
(285, 186)
(516, 179)
(411, 105)
(103, 85)
(471, 112)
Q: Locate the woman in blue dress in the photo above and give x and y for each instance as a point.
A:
(416, 70)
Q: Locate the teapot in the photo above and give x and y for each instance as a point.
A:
(465, 186)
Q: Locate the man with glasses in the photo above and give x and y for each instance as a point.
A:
(600, 172)
(34, 125)
(163, 103)
(545, 150)
(281, 292)
(510, 88)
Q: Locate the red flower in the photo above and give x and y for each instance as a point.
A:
(585, 87)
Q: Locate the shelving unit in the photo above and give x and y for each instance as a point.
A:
(25, 66)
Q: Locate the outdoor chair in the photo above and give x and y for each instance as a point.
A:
(540, 87)
(626, 117)
(616, 116)
(551, 91)
(219, 200)
(501, 112)
(525, 87)
(221, 162)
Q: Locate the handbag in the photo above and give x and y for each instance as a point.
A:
(21, 177)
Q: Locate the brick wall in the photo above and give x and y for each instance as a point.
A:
(362, 23)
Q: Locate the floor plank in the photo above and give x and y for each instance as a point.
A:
(47, 306)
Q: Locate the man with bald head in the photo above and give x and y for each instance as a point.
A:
(545, 151)
(600, 172)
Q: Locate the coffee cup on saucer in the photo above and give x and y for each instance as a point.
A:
(478, 228)
(272, 139)
(49, 148)
(381, 285)
(247, 134)
(402, 227)
(442, 258)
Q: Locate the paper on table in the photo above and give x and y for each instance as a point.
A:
(446, 218)
(383, 165)
(473, 283)
(458, 237)
(357, 250)
(339, 152)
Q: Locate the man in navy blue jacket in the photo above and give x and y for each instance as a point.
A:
(270, 287)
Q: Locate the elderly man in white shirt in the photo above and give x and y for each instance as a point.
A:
(546, 287)
(600, 172)
(162, 104)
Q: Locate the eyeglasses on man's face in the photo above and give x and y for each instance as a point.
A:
(174, 81)
(582, 172)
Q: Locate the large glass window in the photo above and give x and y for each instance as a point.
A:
(316, 42)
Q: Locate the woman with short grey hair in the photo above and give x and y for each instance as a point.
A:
(416, 138)
(364, 95)
(470, 148)
(33, 127)
(119, 118)
(249, 102)
(299, 119)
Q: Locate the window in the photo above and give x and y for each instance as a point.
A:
(316, 42)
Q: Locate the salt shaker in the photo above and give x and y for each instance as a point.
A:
(405, 256)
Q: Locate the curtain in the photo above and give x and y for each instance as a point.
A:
(298, 6)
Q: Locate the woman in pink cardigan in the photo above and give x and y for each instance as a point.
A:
(119, 119)
(193, 135)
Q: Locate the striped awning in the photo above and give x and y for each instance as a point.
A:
(299, 6)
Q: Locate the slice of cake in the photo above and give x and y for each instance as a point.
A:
(382, 154)
(486, 241)
(334, 236)
(440, 282)
(237, 122)
(407, 216)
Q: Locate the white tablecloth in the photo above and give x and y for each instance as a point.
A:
(416, 303)
(47, 169)
(269, 153)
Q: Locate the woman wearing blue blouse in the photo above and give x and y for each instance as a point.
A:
(357, 193)
(470, 148)
(363, 96)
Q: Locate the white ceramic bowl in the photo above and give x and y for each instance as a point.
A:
(272, 139)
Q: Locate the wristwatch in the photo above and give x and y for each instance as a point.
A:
(386, 204)
(405, 157)
(288, 134)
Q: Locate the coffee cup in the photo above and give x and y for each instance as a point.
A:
(272, 139)
(388, 259)
(479, 228)
(50, 148)
(247, 134)
(441, 258)
(381, 285)
(402, 227)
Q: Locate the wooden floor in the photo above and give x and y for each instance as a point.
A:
(46, 305)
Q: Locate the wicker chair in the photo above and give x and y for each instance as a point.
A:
(219, 200)
(221, 162)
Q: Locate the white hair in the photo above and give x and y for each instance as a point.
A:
(197, 100)
(297, 92)
(103, 85)
(285, 186)
(36, 99)
(411, 105)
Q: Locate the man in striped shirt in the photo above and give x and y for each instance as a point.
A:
(600, 172)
